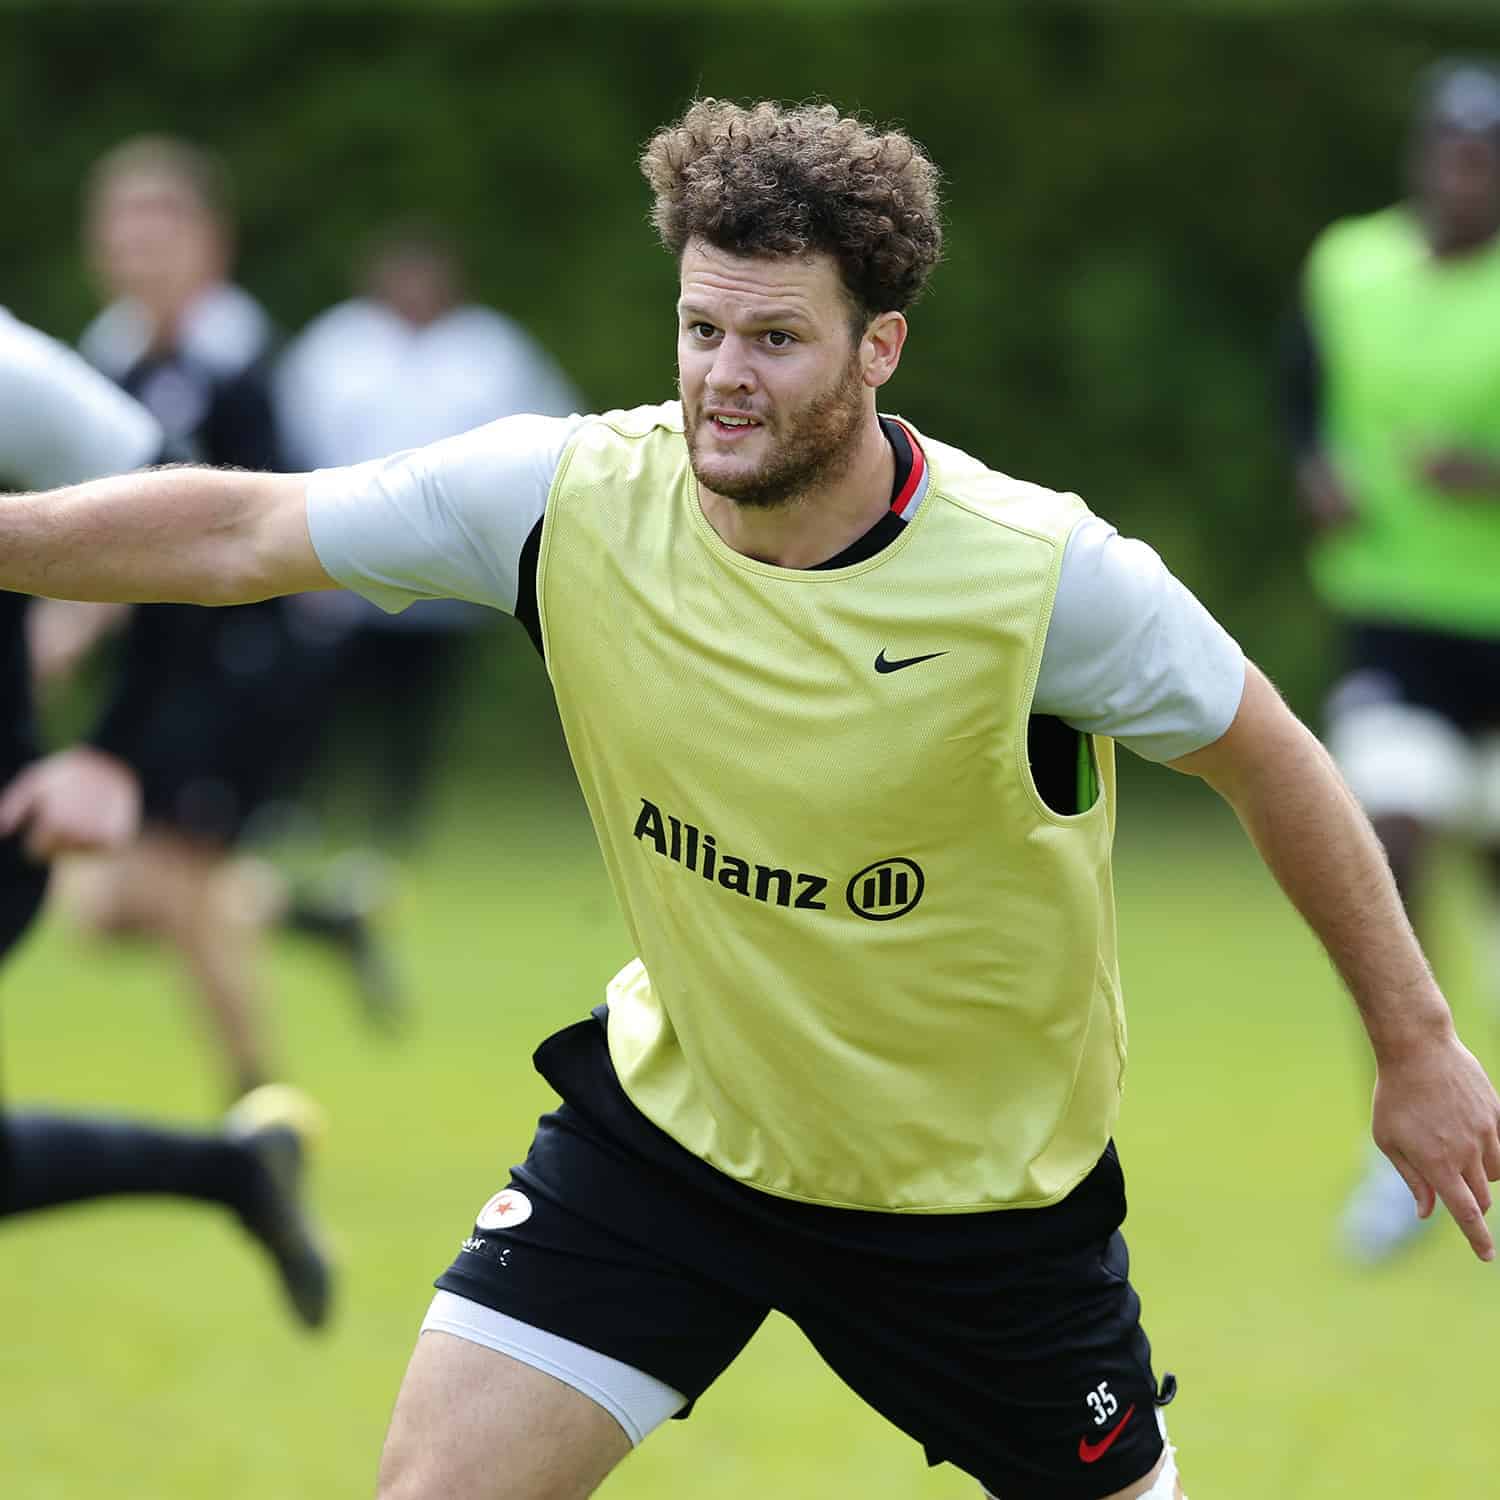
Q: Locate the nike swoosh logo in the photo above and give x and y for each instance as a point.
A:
(882, 665)
(1091, 1453)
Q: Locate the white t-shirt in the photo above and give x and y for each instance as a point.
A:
(62, 422)
(1130, 652)
(360, 381)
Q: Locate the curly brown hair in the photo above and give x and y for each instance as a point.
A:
(769, 179)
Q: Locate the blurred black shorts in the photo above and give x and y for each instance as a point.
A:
(229, 709)
(1008, 1344)
(1455, 676)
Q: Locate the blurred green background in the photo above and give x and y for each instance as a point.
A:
(1130, 191)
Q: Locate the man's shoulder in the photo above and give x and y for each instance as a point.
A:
(971, 485)
(329, 333)
(638, 421)
(1367, 243)
(626, 445)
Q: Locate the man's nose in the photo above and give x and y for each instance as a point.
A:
(732, 369)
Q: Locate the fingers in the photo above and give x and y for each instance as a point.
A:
(1479, 1188)
(1492, 1156)
(1466, 1196)
(1469, 1216)
(1415, 1182)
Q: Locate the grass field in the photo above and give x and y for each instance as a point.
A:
(145, 1353)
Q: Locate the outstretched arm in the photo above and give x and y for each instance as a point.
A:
(182, 535)
(1435, 1113)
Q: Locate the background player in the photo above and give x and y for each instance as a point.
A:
(60, 423)
(219, 712)
(408, 361)
(771, 617)
(1394, 396)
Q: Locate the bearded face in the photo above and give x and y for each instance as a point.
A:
(778, 451)
(772, 374)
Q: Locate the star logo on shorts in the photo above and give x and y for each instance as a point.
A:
(505, 1210)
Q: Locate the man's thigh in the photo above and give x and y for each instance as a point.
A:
(591, 1245)
(475, 1424)
(1030, 1373)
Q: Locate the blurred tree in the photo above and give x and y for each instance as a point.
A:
(1130, 193)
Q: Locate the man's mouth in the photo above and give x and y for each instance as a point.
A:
(726, 423)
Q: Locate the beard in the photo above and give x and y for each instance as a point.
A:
(816, 447)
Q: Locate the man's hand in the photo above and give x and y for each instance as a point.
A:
(75, 800)
(1438, 1119)
(1462, 474)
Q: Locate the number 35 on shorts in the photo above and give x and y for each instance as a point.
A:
(1102, 1403)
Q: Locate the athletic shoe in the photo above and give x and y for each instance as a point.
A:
(1380, 1218)
(340, 911)
(278, 1126)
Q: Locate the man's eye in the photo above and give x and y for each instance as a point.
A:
(778, 339)
(702, 330)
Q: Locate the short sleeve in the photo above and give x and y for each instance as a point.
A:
(61, 422)
(448, 521)
(1131, 653)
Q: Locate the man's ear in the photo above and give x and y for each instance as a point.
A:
(880, 347)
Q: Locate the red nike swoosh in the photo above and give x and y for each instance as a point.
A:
(1092, 1452)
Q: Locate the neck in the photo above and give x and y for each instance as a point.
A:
(811, 527)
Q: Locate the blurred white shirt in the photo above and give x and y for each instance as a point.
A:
(61, 421)
(361, 382)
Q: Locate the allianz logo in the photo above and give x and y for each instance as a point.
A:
(880, 892)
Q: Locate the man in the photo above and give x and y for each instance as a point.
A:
(840, 700)
(60, 422)
(217, 712)
(1394, 399)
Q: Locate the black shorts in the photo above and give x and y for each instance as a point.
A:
(1008, 1344)
(229, 705)
(1455, 676)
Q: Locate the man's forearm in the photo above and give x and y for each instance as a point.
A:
(1319, 845)
(1434, 1113)
(182, 535)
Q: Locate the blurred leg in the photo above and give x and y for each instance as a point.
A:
(255, 1167)
(198, 898)
(473, 1424)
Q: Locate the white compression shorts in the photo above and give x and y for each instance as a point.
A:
(1405, 761)
(640, 1403)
